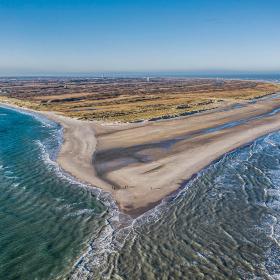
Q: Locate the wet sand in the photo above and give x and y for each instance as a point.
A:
(140, 164)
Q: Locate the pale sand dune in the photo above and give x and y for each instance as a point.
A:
(140, 164)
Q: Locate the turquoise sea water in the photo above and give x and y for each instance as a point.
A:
(224, 224)
(46, 221)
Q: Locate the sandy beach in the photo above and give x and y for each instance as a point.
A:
(140, 164)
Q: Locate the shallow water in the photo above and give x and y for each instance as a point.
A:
(46, 221)
(224, 224)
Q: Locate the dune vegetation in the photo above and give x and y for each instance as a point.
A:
(129, 100)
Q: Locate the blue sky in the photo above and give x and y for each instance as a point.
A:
(55, 36)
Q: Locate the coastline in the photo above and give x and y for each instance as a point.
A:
(140, 164)
(79, 142)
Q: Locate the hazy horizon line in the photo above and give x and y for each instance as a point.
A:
(142, 72)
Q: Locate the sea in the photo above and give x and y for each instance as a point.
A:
(222, 224)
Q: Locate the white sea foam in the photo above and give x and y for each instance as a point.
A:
(112, 239)
(45, 121)
(103, 244)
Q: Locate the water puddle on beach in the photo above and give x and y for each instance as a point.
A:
(224, 224)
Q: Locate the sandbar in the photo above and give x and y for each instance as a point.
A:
(142, 163)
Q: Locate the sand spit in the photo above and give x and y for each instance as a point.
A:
(140, 164)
